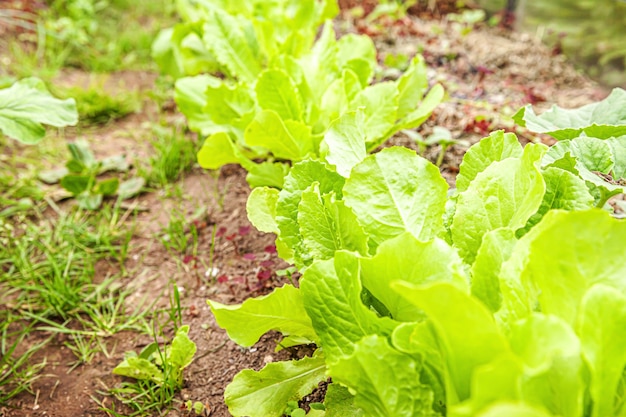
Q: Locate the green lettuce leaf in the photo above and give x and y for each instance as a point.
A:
(282, 310)
(398, 393)
(505, 194)
(226, 39)
(332, 298)
(395, 191)
(276, 91)
(467, 333)
(563, 273)
(601, 327)
(413, 261)
(327, 225)
(288, 139)
(300, 178)
(603, 119)
(340, 403)
(191, 99)
(261, 209)
(345, 140)
(496, 247)
(27, 105)
(265, 393)
(496, 147)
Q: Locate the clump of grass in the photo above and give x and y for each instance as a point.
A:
(175, 154)
(97, 107)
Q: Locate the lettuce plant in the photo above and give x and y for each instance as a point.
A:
(284, 114)
(238, 38)
(27, 105)
(487, 300)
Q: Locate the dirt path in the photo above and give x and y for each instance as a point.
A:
(487, 72)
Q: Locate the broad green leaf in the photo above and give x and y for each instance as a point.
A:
(467, 332)
(380, 106)
(592, 156)
(218, 150)
(89, 201)
(592, 153)
(282, 310)
(191, 99)
(395, 191)
(505, 194)
(140, 369)
(413, 261)
(498, 380)
(337, 98)
(226, 104)
(495, 249)
(320, 66)
(130, 188)
(289, 139)
(261, 209)
(412, 86)
(346, 142)
(107, 187)
(76, 184)
(82, 154)
(563, 272)
(602, 321)
(399, 393)
(182, 350)
(553, 365)
(265, 393)
(419, 115)
(496, 147)
(340, 403)
(564, 191)
(27, 105)
(357, 48)
(618, 147)
(266, 174)
(275, 91)
(226, 39)
(332, 298)
(421, 340)
(300, 178)
(327, 225)
(603, 119)
(179, 51)
(513, 410)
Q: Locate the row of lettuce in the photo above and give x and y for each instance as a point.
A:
(503, 296)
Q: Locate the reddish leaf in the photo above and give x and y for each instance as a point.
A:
(264, 274)
(249, 256)
(270, 249)
(222, 278)
(267, 264)
(244, 230)
(220, 232)
(188, 258)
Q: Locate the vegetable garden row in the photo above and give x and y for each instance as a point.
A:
(502, 296)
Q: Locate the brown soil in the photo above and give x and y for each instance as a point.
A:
(486, 72)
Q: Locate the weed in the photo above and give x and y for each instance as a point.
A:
(157, 370)
(97, 107)
(17, 370)
(175, 154)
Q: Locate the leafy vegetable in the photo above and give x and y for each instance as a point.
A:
(27, 105)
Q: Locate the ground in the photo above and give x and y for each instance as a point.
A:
(488, 73)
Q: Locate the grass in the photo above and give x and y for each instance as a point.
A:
(47, 271)
(97, 36)
(96, 107)
(174, 155)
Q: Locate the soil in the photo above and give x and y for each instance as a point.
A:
(486, 72)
